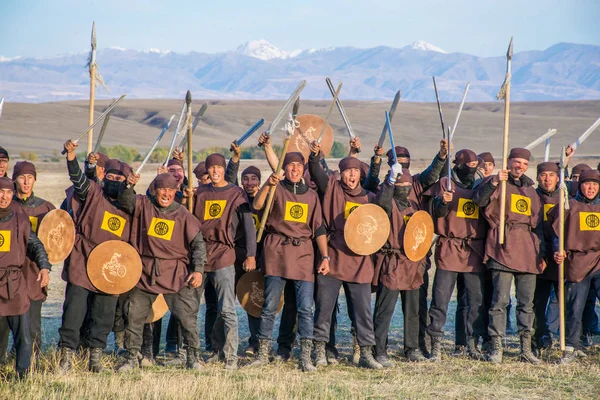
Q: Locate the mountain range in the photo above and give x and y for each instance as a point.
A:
(260, 70)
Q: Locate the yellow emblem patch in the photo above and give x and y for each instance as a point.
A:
(350, 206)
(467, 209)
(113, 223)
(213, 209)
(520, 204)
(161, 228)
(589, 221)
(256, 221)
(296, 212)
(34, 223)
(4, 241)
(407, 218)
(547, 208)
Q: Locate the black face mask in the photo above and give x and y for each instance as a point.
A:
(112, 188)
(401, 193)
(466, 174)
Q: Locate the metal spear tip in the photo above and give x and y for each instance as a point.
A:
(93, 34)
(188, 98)
(296, 107)
(509, 52)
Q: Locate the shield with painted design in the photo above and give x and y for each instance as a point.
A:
(114, 267)
(367, 229)
(57, 233)
(159, 309)
(251, 293)
(418, 236)
(308, 129)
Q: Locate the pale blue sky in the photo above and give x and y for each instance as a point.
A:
(481, 27)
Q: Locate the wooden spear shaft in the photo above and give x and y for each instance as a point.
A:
(506, 90)
(92, 89)
(271, 196)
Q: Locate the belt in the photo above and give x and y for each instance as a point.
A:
(5, 279)
(289, 239)
(521, 225)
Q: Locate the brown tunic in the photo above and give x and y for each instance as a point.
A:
(163, 241)
(287, 247)
(215, 208)
(31, 271)
(96, 221)
(14, 236)
(521, 248)
(337, 204)
(582, 239)
(548, 202)
(392, 268)
(461, 243)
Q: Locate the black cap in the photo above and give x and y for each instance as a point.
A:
(3, 153)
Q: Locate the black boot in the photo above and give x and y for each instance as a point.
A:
(66, 360)
(305, 360)
(130, 363)
(193, 359)
(472, 349)
(95, 362)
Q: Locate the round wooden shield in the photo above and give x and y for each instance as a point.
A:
(418, 235)
(114, 267)
(57, 233)
(251, 293)
(309, 128)
(159, 309)
(367, 229)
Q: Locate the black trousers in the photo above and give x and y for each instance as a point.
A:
(120, 322)
(525, 289)
(184, 304)
(75, 307)
(543, 288)
(151, 338)
(385, 304)
(443, 287)
(460, 318)
(327, 292)
(210, 315)
(35, 327)
(576, 296)
(19, 326)
(423, 309)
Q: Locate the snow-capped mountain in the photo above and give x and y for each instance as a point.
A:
(426, 46)
(264, 50)
(260, 70)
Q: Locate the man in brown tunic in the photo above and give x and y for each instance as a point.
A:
(294, 222)
(173, 256)
(488, 163)
(16, 240)
(353, 271)
(459, 250)
(582, 258)
(519, 257)
(549, 193)
(35, 208)
(221, 208)
(98, 218)
(395, 275)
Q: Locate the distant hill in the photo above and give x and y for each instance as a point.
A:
(259, 70)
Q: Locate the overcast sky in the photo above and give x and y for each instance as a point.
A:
(480, 27)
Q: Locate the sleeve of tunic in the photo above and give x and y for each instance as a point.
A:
(432, 174)
(231, 172)
(245, 215)
(317, 174)
(80, 181)
(37, 252)
(384, 198)
(372, 180)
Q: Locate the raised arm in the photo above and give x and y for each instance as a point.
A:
(79, 180)
(272, 158)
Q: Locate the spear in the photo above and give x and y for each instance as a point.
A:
(93, 67)
(289, 103)
(271, 195)
(190, 131)
(562, 206)
(197, 119)
(504, 94)
(437, 98)
(448, 157)
(178, 128)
